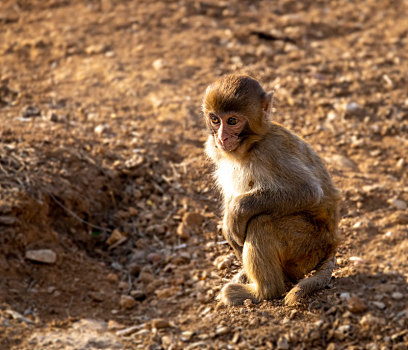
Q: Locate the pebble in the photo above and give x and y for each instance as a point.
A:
(343, 162)
(353, 109)
(370, 320)
(46, 256)
(123, 285)
(356, 305)
(379, 304)
(342, 331)
(223, 262)
(398, 204)
(112, 277)
(186, 335)
(96, 296)
(127, 302)
(282, 343)
(154, 257)
(7, 220)
(345, 296)
(222, 330)
(100, 129)
(30, 111)
(160, 323)
(138, 294)
(114, 237)
(183, 231)
(159, 64)
(193, 220)
(397, 295)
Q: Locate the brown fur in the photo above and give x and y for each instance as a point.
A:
(281, 207)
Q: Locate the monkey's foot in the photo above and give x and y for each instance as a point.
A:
(294, 296)
(235, 294)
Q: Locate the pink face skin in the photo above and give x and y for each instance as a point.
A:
(227, 128)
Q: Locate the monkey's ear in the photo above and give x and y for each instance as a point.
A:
(267, 102)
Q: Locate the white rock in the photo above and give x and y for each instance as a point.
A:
(331, 116)
(46, 256)
(345, 296)
(159, 64)
(398, 204)
(379, 304)
(397, 295)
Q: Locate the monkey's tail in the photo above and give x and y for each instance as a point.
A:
(318, 280)
(235, 293)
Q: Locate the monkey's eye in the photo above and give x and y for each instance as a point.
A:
(232, 121)
(214, 118)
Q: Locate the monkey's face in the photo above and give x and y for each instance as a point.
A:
(227, 129)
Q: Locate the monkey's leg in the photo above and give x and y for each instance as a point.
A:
(261, 266)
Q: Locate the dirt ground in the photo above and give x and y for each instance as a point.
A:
(102, 165)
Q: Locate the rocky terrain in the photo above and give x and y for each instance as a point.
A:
(109, 235)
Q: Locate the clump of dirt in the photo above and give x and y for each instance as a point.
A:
(102, 166)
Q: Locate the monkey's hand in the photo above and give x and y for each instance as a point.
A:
(235, 220)
(233, 236)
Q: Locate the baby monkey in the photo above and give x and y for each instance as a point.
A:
(280, 205)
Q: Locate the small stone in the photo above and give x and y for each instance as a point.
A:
(134, 269)
(398, 204)
(282, 343)
(222, 330)
(53, 117)
(223, 262)
(100, 129)
(235, 338)
(154, 257)
(123, 285)
(400, 163)
(183, 231)
(127, 302)
(345, 296)
(399, 218)
(30, 111)
(7, 220)
(331, 346)
(112, 277)
(146, 277)
(353, 109)
(186, 336)
(114, 237)
(379, 304)
(138, 295)
(95, 49)
(341, 332)
(167, 340)
(356, 305)
(331, 116)
(160, 323)
(51, 289)
(370, 320)
(343, 162)
(159, 64)
(96, 296)
(114, 326)
(193, 220)
(397, 296)
(46, 256)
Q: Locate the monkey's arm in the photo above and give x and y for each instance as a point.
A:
(285, 200)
